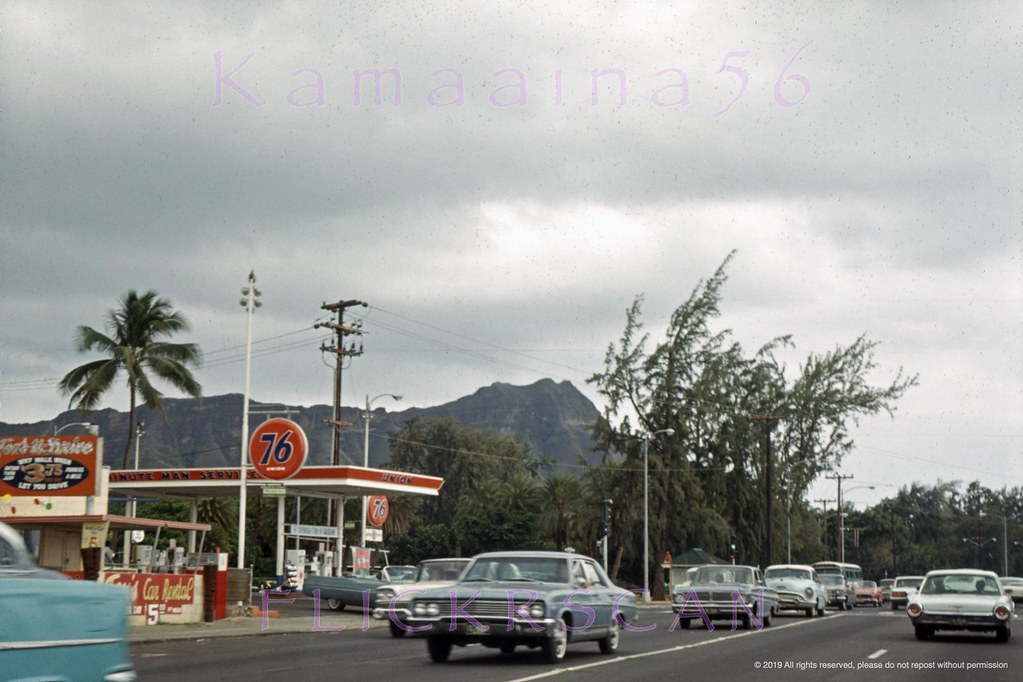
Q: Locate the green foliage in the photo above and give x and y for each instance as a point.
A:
(708, 481)
(134, 346)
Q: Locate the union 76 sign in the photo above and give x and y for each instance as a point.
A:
(278, 448)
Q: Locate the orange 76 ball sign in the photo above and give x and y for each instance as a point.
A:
(278, 448)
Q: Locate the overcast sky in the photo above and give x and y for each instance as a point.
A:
(500, 206)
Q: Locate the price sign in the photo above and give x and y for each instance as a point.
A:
(278, 448)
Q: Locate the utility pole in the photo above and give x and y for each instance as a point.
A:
(341, 331)
(824, 503)
(841, 518)
(768, 421)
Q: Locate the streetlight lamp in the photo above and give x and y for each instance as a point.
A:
(979, 542)
(646, 510)
(93, 429)
(366, 417)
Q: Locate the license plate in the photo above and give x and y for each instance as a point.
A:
(958, 621)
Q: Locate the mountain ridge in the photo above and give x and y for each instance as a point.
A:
(554, 418)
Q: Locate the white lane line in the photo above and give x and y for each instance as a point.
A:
(877, 654)
(658, 652)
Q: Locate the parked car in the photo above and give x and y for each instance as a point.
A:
(535, 599)
(903, 589)
(868, 593)
(59, 629)
(799, 588)
(394, 601)
(886, 589)
(961, 599)
(838, 591)
(725, 591)
(358, 589)
(1013, 587)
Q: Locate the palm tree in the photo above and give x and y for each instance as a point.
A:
(134, 346)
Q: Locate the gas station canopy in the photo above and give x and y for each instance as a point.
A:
(310, 481)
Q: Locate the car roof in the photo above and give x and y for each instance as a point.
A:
(800, 566)
(961, 571)
(545, 553)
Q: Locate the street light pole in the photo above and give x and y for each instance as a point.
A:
(646, 511)
(251, 294)
(366, 417)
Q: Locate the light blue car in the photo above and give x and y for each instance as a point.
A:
(543, 600)
(58, 629)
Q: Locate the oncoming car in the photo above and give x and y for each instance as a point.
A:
(961, 599)
(534, 599)
(799, 588)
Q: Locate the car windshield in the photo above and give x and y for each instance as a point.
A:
(908, 582)
(830, 579)
(779, 573)
(711, 575)
(400, 574)
(529, 569)
(960, 583)
(440, 570)
(1012, 582)
(869, 585)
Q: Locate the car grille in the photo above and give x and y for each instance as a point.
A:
(481, 608)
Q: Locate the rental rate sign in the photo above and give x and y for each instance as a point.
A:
(278, 448)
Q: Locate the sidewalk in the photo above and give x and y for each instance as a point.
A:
(301, 616)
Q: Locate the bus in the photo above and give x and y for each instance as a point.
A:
(852, 573)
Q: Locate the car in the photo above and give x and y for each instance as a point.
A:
(961, 599)
(725, 591)
(868, 593)
(393, 602)
(903, 589)
(886, 589)
(1013, 587)
(54, 628)
(799, 588)
(537, 599)
(838, 591)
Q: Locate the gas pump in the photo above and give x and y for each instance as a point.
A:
(294, 569)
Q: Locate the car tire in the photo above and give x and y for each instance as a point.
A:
(684, 623)
(335, 604)
(439, 648)
(397, 629)
(555, 646)
(811, 612)
(609, 643)
(508, 647)
(923, 632)
(1003, 634)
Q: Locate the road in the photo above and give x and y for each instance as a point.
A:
(858, 645)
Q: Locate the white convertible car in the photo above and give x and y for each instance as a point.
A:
(961, 599)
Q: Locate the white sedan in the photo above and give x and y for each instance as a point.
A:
(961, 599)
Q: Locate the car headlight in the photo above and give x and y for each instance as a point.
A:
(1002, 612)
(537, 610)
(808, 592)
(914, 610)
(385, 594)
(677, 597)
(428, 608)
